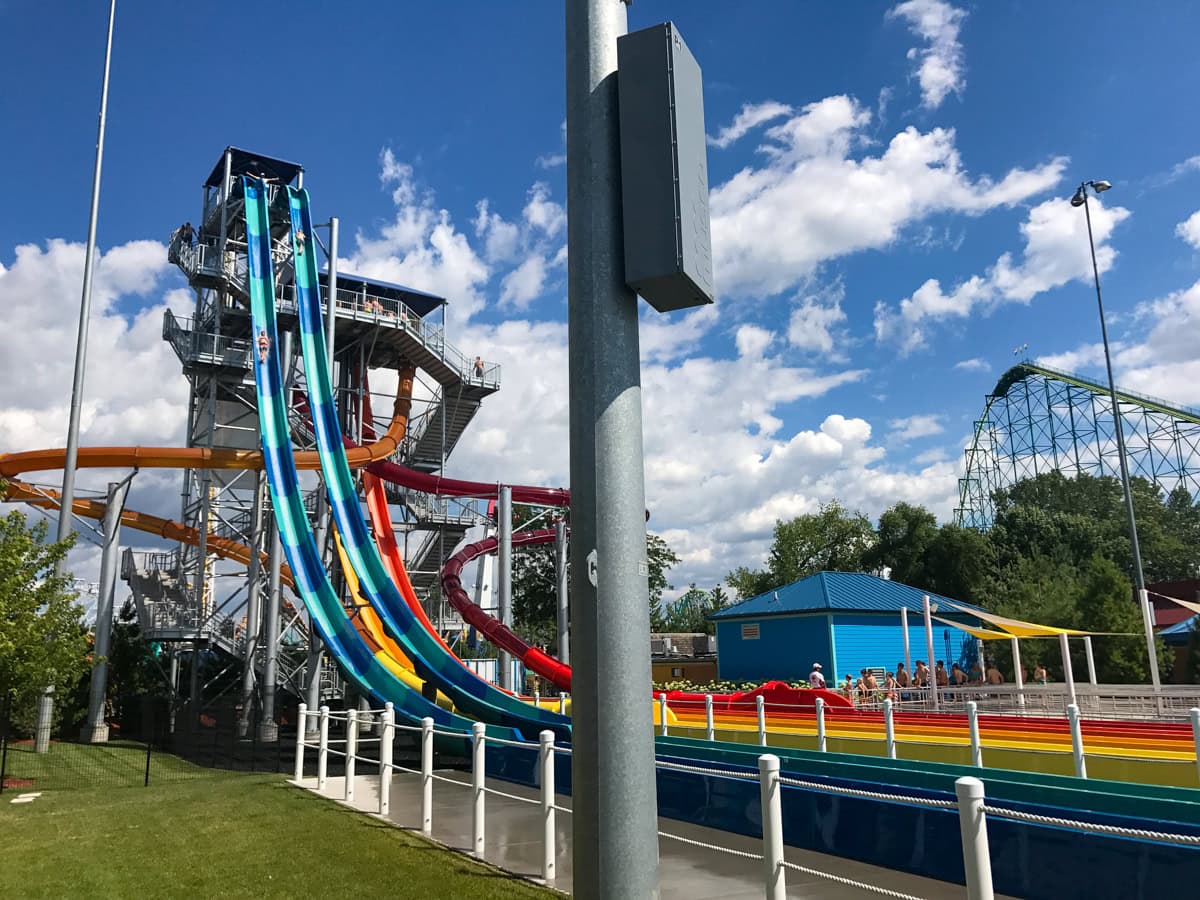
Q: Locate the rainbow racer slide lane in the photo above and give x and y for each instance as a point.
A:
(360, 666)
(471, 695)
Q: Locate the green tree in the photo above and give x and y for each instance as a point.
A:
(831, 540)
(1073, 519)
(958, 562)
(534, 588)
(1096, 596)
(660, 559)
(904, 537)
(42, 642)
(534, 585)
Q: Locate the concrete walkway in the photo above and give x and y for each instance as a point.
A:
(513, 842)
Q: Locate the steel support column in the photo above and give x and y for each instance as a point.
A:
(253, 604)
(95, 730)
(268, 731)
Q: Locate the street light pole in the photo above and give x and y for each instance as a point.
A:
(85, 310)
(615, 825)
(1081, 199)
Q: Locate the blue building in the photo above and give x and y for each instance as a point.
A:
(846, 621)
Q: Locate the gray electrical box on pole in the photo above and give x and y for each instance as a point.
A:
(664, 170)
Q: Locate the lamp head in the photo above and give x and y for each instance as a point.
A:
(1100, 186)
(1080, 197)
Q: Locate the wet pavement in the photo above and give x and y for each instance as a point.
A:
(513, 842)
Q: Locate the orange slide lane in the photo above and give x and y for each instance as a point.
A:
(393, 561)
(19, 492)
(13, 464)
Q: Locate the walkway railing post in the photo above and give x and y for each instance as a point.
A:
(1077, 741)
(549, 824)
(427, 776)
(1194, 714)
(889, 729)
(774, 874)
(323, 749)
(972, 823)
(562, 704)
(761, 708)
(819, 706)
(662, 714)
(973, 730)
(386, 740)
(478, 787)
(537, 699)
(301, 719)
(351, 750)
(708, 717)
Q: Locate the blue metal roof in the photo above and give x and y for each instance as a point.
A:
(839, 592)
(419, 302)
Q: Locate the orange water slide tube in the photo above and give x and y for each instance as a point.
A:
(13, 464)
(19, 491)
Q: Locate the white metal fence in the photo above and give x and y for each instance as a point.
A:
(970, 803)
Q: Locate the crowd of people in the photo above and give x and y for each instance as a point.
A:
(901, 685)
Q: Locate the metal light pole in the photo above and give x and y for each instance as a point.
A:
(615, 840)
(504, 552)
(562, 592)
(85, 308)
(1081, 199)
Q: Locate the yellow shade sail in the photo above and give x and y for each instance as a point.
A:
(984, 634)
(1018, 628)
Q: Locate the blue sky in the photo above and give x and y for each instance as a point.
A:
(889, 221)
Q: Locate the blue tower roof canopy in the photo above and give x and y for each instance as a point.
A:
(839, 591)
(421, 303)
(245, 162)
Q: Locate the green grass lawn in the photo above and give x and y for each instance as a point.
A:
(114, 764)
(224, 836)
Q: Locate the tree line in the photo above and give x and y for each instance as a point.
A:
(1058, 553)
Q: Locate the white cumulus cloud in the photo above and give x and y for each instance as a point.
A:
(1056, 251)
(974, 364)
(815, 198)
(1189, 230)
(940, 65)
(750, 117)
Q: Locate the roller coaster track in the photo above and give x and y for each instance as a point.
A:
(1039, 419)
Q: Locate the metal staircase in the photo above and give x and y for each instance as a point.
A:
(164, 605)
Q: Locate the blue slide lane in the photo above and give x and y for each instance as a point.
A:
(469, 693)
(357, 661)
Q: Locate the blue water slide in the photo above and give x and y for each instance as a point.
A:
(469, 693)
(358, 663)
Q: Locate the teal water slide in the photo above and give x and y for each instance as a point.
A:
(469, 693)
(358, 662)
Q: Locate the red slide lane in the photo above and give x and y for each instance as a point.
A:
(457, 487)
(385, 538)
(497, 632)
